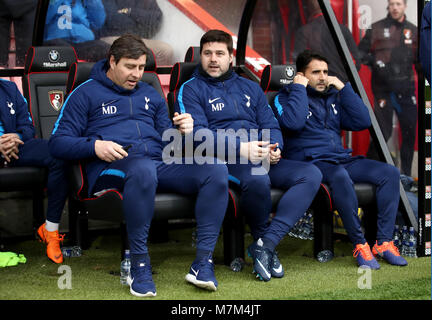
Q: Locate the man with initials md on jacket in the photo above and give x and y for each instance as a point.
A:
(116, 122)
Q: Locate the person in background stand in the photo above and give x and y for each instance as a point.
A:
(316, 36)
(21, 15)
(140, 17)
(425, 41)
(389, 48)
(18, 148)
(73, 22)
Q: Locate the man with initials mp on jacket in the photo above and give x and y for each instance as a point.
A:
(314, 109)
(220, 100)
(117, 122)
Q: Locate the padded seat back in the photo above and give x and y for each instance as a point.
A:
(274, 78)
(44, 84)
(180, 73)
(192, 55)
(150, 76)
(78, 73)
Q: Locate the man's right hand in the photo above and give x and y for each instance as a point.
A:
(109, 151)
(301, 79)
(255, 151)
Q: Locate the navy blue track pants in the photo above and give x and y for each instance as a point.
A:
(35, 153)
(341, 178)
(138, 178)
(301, 181)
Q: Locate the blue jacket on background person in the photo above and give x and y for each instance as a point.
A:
(233, 103)
(314, 125)
(135, 117)
(15, 118)
(73, 20)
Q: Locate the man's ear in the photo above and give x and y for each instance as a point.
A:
(112, 62)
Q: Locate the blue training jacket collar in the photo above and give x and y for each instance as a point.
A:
(226, 76)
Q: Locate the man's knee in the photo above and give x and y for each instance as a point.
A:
(310, 174)
(258, 184)
(55, 164)
(213, 173)
(340, 178)
(142, 173)
(391, 172)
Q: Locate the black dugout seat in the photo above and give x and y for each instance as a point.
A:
(44, 84)
(180, 73)
(192, 55)
(107, 206)
(150, 76)
(272, 80)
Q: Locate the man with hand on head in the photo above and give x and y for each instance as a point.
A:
(315, 109)
(114, 110)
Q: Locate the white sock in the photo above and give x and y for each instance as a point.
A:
(51, 226)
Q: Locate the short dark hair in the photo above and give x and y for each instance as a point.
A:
(405, 1)
(304, 58)
(128, 46)
(217, 36)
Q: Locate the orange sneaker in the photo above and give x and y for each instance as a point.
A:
(52, 239)
(389, 252)
(364, 256)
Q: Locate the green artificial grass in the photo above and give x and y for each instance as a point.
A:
(95, 275)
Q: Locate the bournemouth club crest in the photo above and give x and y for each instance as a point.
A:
(56, 98)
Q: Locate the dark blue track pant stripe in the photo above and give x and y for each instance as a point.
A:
(301, 181)
(35, 153)
(341, 178)
(143, 177)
